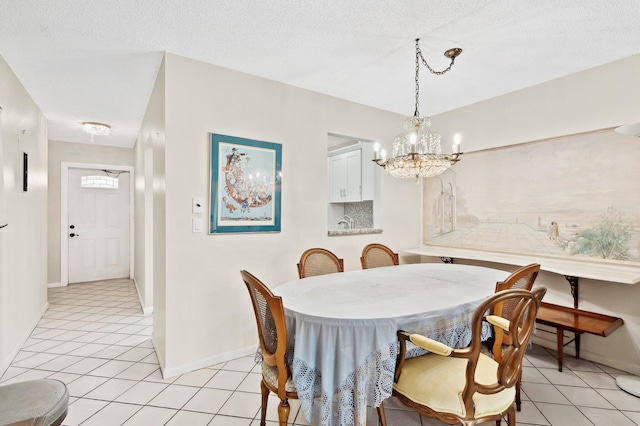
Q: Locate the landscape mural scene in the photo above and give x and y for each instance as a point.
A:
(574, 197)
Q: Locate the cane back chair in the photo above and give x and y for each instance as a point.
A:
(377, 255)
(319, 261)
(522, 278)
(272, 333)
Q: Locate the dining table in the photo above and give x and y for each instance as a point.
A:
(342, 329)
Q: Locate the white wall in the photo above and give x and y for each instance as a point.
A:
(23, 249)
(149, 206)
(207, 317)
(603, 97)
(72, 153)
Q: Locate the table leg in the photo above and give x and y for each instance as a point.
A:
(560, 335)
(577, 343)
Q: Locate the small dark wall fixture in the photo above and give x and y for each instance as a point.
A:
(25, 171)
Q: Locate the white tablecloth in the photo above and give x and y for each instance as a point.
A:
(342, 329)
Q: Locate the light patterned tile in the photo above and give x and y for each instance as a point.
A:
(604, 417)
(141, 393)
(208, 400)
(174, 396)
(190, 418)
(81, 409)
(111, 389)
(584, 397)
(558, 414)
(242, 404)
(195, 378)
(224, 379)
(621, 400)
(150, 416)
(114, 413)
(137, 371)
(538, 392)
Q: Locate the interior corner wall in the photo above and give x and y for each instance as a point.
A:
(60, 151)
(208, 315)
(149, 206)
(23, 249)
(602, 97)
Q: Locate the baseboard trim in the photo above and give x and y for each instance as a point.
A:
(145, 309)
(53, 285)
(206, 362)
(629, 367)
(5, 363)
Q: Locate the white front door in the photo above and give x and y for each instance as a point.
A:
(98, 225)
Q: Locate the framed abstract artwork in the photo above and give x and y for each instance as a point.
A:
(245, 191)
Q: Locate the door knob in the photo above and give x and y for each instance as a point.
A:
(74, 235)
(72, 226)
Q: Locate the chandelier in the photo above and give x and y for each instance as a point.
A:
(416, 152)
(93, 128)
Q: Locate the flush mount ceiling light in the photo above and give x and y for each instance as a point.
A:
(416, 151)
(93, 128)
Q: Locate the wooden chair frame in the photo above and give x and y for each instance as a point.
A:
(522, 278)
(509, 368)
(375, 246)
(273, 347)
(303, 273)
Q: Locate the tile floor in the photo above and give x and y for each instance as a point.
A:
(95, 339)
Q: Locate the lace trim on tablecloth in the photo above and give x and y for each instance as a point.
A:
(369, 385)
(372, 382)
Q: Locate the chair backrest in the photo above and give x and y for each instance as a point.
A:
(522, 278)
(319, 261)
(377, 255)
(521, 327)
(272, 328)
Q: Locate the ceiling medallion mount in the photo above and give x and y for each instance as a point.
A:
(96, 129)
(453, 53)
(416, 151)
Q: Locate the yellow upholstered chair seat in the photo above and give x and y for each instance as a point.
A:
(419, 374)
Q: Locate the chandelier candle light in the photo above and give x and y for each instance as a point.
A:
(416, 151)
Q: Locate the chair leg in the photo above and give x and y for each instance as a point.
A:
(264, 390)
(511, 417)
(283, 412)
(518, 401)
(382, 419)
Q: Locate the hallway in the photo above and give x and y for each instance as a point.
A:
(95, 338)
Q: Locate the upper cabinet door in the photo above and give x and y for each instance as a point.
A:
(354, 176)
(345, 177)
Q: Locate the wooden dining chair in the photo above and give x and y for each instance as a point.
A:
(465, 386)
(319, 261)
(377, 255)
(273, 337)
(522, 278)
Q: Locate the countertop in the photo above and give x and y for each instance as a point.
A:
(356, 231)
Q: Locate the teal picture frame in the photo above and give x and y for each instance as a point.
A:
(245, 185)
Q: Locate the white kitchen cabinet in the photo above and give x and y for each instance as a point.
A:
(345, 177)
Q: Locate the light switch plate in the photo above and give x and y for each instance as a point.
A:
(196, 224)
(197, 205)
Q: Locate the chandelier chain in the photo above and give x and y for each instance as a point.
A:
(419, 58)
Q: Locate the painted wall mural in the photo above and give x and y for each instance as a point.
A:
(576, 196)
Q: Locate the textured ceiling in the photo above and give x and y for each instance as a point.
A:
(97, 60)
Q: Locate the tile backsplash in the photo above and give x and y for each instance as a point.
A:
(361, 213)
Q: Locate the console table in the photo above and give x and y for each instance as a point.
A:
(571, 269)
